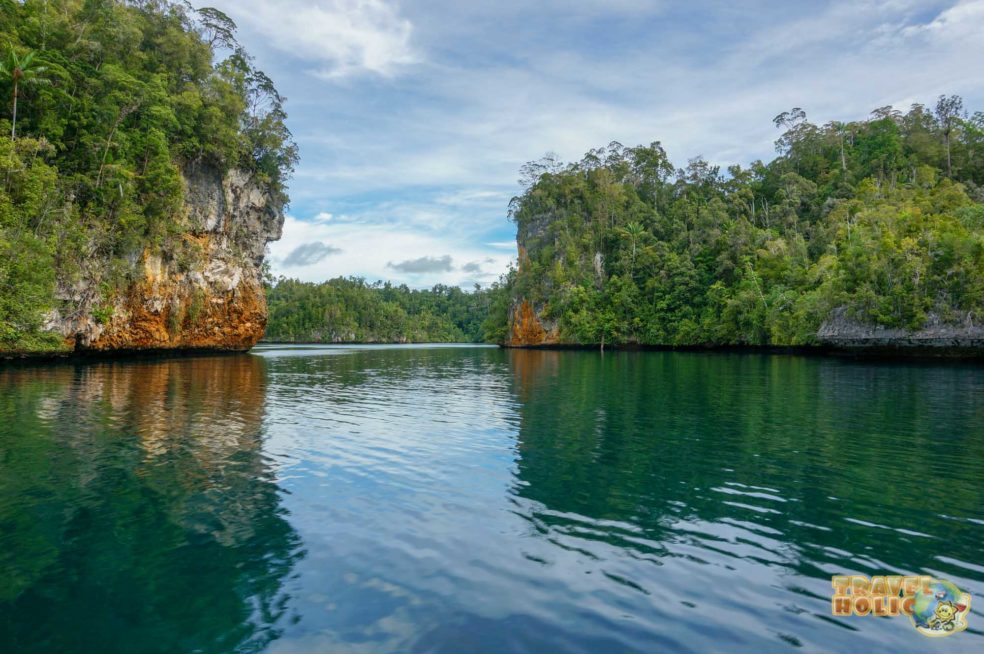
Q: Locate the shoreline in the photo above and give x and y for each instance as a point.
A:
(880, 352)
(79, 356)
(870, 353)
(372, 343)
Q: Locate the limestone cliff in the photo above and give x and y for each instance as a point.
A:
(528, 324)
(936, 337)
(202, 291)
(527, 329)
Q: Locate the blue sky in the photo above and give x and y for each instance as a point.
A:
(413, 117)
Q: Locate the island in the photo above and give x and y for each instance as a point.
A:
(859, 236)
(142, 173)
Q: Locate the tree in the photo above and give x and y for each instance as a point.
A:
(21, 72)
(794, 121)
(634, 233)
(948, 112)
(531, 172)
(218, 29)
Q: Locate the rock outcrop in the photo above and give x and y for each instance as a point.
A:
(203, 292)
(528, 329)
(844, 332)
(527, 326)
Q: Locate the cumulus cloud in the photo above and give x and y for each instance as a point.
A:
(423, 265)
(335, 38)
(367, 249)
(308, 254)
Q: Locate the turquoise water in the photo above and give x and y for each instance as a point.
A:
(453, 499)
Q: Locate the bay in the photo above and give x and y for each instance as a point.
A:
(472, 499)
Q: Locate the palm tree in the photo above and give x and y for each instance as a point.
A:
(21, 72)
(635, 233)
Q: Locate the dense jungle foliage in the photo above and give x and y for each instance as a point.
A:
(883, 217)
(351, 310)
(106, 101)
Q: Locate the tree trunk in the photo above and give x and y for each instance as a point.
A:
(949, 168)
(124, 112)
(13, 123)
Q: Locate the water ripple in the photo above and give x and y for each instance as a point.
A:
(449, 499)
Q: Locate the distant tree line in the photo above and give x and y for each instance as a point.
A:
(351, 310)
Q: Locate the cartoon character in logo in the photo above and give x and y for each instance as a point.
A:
(942, 611)
(944, 615)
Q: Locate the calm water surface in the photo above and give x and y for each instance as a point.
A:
(448, 499)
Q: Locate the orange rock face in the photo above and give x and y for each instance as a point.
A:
(200, 290)
(525, 327)
(233, 320)
(527, 330)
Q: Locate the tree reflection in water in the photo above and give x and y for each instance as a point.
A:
(137, 510)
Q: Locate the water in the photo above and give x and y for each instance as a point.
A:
(472, 499)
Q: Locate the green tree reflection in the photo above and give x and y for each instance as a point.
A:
(137, 512)
(855, 465)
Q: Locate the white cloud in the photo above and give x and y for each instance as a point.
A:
(471, 126)
(426, 156)
(334, 38)
(401, 254)
(470, 196)
(965, 20)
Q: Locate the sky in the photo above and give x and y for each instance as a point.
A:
(413, 117)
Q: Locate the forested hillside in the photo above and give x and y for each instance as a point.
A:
(110, 109)
(881, 217)
(350, 310)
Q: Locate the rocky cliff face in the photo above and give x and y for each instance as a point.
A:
(527, 325)
(842, 331)
(527, 329)
(203, 293)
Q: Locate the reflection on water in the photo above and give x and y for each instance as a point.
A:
(471, 499)
(137, 510)
(731, 487)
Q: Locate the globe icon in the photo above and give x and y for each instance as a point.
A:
(925, 603)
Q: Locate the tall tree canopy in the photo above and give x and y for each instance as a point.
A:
(883, 217)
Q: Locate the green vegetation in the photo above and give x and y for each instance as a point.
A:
(20, 72)
(350, 310)
(109, 101)
(882, 216)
